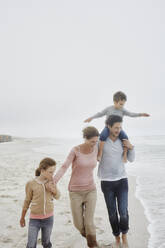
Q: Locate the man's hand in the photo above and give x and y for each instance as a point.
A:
(144, 115)
(89, 119)
(22, 222)
(127, 144)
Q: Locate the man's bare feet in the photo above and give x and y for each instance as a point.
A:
(124, 241)
(117, 243)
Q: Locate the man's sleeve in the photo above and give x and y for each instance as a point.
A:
(131, 155)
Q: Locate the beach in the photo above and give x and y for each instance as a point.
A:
(18, 160)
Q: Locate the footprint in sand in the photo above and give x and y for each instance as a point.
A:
(9, 227)
(98, 219)
(6, 240)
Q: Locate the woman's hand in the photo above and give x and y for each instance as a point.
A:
(22, 222)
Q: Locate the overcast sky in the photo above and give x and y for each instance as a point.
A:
(61, 61)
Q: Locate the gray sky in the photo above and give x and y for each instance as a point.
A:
(62, 60)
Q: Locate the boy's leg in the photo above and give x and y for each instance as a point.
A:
(34, 227)
(123, 136)
(46, 229)
(103, 136)
(76, 203)
(90, 228)
(122, 199)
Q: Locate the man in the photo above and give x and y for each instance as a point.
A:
(114, 182)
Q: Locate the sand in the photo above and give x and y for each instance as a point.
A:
(17, 166)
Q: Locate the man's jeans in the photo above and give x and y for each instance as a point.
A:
(35, 225)
(116, 195)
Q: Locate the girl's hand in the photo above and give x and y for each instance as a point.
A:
(89, 119)
(22, 222)
(50, 186)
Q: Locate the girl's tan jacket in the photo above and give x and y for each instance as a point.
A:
(38, 198)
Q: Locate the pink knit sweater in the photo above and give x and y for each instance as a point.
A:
(82, 169)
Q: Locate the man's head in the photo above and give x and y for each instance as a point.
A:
(119, 99)
(114, 123)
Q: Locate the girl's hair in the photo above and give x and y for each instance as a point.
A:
(45, 164)
(90, 132)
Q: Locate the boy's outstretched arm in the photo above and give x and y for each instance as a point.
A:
(132, 114)
(89, 119)
(144, 115)
(97, 115)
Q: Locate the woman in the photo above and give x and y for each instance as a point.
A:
(82, 189)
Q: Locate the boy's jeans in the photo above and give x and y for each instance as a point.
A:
(117, 190)
(106, 132)
(35, 225)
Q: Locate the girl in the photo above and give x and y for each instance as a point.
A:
(41, 200)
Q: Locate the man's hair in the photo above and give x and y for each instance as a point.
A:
(119, 96)
(112, 119)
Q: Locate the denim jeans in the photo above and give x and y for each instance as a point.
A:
(106, 132)
(35, 225)
(116, 197)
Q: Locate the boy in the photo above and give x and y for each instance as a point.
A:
(119, 99)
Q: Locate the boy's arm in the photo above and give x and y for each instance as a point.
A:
(132, 114)
(97, 115)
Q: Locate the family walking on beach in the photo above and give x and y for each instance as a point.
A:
(112, 150)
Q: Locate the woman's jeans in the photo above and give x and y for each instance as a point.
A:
(106, 132)
(35, 225)
(116, 197)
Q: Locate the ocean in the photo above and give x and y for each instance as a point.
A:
(149, 167)
(19, 158)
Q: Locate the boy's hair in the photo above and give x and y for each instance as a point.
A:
(112, 119)
(119, 96)
(90, 132)
(44, 164)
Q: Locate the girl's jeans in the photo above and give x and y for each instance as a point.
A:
(35, 225)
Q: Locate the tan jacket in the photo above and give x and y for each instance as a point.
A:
(38, 198)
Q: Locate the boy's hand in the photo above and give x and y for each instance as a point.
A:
(127, 144)
(89, 119)
(22, 222)
(144, 114)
